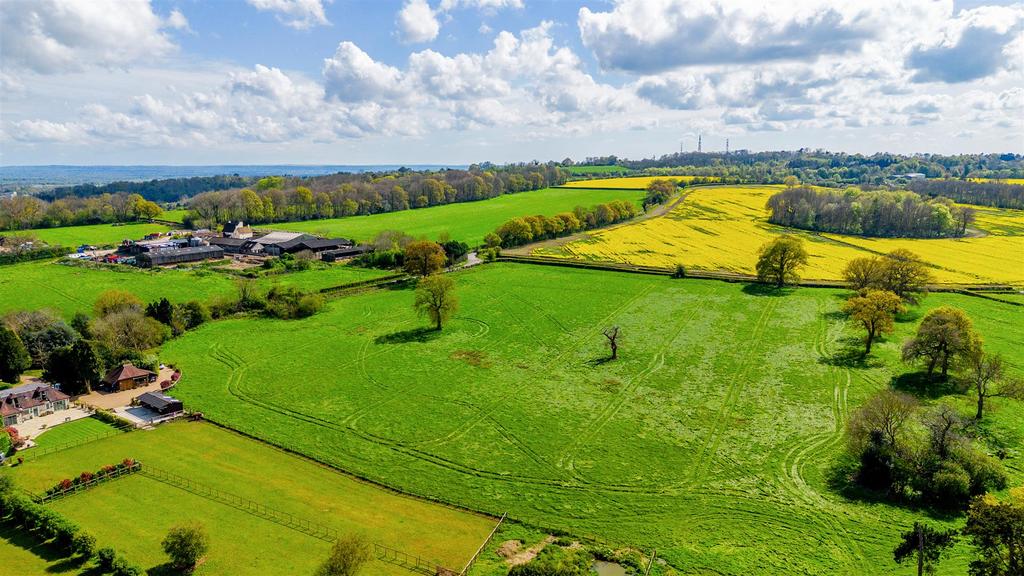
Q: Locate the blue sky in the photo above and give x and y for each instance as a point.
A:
(460, 81)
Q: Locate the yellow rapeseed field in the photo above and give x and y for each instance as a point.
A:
(1000, 180)
(629, 183)
(722, 227)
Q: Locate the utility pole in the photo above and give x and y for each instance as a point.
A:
(699, 149)
(727, 146)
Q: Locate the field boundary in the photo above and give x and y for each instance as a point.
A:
(487, 541)
(288, 520)
(83, 486)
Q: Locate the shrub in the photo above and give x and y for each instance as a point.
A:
(105, 558)
(555, 561)
(679, 272)
(121, 567)
(83, 544)
(950, 487)
(347, 557)
(185, 545)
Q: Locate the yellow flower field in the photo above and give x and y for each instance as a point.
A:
(629, 183)
(1000, 180)
(722, 227)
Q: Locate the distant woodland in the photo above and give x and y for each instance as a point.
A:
(997, 194)
(163, 191)
(878, 213)
(278, 199)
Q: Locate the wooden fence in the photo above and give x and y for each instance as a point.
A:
(484, 545)
(77, 487)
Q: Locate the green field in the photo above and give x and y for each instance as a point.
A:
(709, 439)
(96, 234)
(82, 430)
(134, 513)
(174, 215)
(70, 288)
(466, 221)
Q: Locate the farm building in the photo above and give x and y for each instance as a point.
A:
(25, 402)
(167, 256)
(344, 253)
(229, 245)
(160, 403)
(127, 377)
(237, 229)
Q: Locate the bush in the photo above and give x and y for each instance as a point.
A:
(105, 558)
(555, 561)
(950, 487)
(83, 544)
(679, 272)
(185, 545)
(347, 557)
(121, 567)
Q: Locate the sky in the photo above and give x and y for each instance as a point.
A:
(463, 81)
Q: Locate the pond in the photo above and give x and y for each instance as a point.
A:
(608, 568)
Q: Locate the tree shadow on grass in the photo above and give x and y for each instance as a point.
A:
(422, 334)
(595, 362)
(165, 569)
(912, 314)
(922, 385)
(757, 289)
(62, 563)
(850, 355)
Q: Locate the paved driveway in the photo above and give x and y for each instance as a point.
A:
(111, 400)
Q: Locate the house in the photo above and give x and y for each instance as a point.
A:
(237, 229)
(127, 377)
(166, 256)
(160, 403)
(29, 401)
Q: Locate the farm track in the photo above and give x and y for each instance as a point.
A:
(733, 394)
(567, 460)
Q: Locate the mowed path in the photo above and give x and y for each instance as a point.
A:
(710, 438)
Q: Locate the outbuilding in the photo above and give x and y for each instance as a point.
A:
(160, 403)
(179, 255)
(127, 377)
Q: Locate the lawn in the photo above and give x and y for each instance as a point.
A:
(71, 288)
(465, 221)
(134, 513)
(722, 228)
(78, 431)
(174, 215)
(96, 234)
(709, 439)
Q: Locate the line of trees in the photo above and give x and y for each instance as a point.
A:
(877, 213)
(23, 212)
(519, 231)
(279, 199)
(164, 190)
(999, 194)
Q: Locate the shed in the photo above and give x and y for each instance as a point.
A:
(344, 253)
(160, 403)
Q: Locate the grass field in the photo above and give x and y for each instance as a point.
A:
(69, 289)
(174, 215)
(81, 430)
(710, 438)
(627, 183)
(722, 227)
(96, 234)
(466, 221)
(134, 513)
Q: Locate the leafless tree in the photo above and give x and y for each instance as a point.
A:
(612, 334)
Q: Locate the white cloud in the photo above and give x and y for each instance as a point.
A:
(417, 22)
(641, 36)
(298, 14)
(975, 44)
(54, 36)
(351, 75)
(177, 20)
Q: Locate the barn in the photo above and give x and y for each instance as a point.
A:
(179, 255)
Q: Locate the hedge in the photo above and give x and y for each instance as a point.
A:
(37, 254)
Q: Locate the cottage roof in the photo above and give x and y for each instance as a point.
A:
(124, 372)
(21, 398)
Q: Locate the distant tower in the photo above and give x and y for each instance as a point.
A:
(726, 145)
(699, 149)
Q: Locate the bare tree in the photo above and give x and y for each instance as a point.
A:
(612, 334)
(987, 375)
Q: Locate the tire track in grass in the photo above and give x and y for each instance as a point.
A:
(590, 430)
(713, 439)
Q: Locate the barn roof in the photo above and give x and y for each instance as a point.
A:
(124, 372)
(157, 401)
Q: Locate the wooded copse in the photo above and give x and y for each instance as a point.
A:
(519, 231)
(23, 212)
(998, 194)
(278, 199)
(877, 213)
